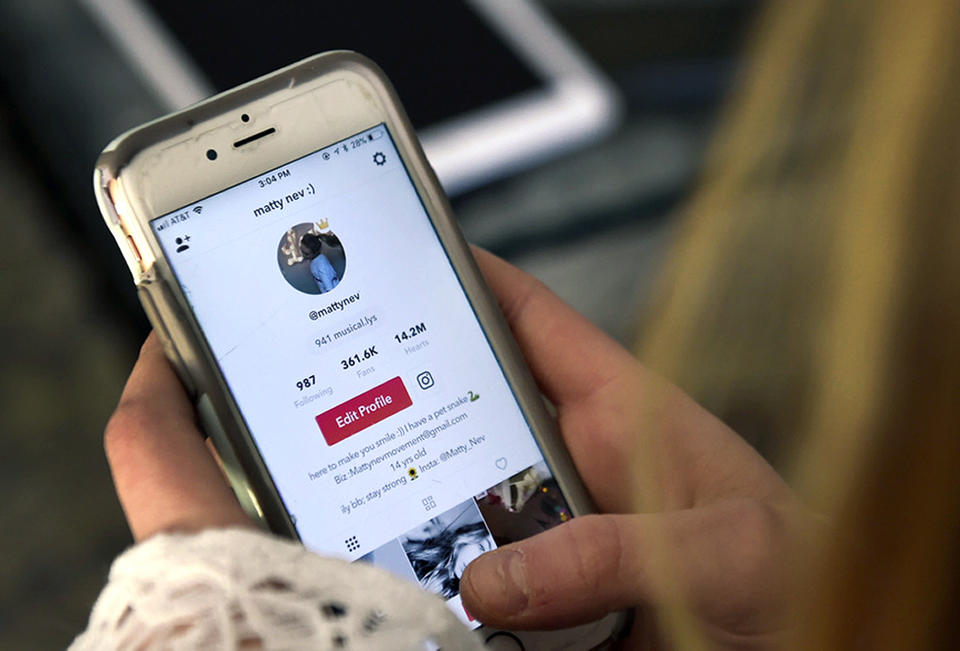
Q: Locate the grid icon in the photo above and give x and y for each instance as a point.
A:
(429, 503)
(352, 544)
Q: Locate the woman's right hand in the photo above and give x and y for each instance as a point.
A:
(692, 514)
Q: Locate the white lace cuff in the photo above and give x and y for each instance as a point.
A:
(238, 588)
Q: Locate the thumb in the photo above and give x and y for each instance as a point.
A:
(716, 559)
(568, 575)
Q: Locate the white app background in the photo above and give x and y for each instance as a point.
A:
(260, 331)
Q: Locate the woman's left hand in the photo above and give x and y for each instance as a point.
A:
(166, 477)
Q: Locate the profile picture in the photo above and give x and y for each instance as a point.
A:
(440, 549)
(311, 257)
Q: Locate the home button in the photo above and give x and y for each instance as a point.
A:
(504, 641)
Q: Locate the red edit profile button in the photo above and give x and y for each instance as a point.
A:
(367, 409)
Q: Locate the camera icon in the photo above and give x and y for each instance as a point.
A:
(425, 380)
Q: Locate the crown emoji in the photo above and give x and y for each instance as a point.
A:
(322, 224)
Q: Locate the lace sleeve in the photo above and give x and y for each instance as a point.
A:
(237, 588)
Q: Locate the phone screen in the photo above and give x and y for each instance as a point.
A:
(359, 366)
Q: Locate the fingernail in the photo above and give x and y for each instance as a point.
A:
(498, 579)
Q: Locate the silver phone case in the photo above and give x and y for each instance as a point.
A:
(127, 215)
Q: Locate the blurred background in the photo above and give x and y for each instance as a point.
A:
(591, 218)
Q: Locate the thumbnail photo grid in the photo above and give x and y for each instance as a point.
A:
(436, 552)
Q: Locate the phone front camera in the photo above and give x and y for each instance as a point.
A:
(212, 154)
(245, 117)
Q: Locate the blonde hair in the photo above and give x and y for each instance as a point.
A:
(812, 299)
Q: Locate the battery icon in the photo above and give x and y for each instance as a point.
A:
(374, 135)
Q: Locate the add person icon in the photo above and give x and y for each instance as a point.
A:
(181, 245)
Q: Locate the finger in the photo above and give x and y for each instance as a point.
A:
(563, 577)
(570, 357)
(164, 475)
(719, 563)
(639, 443)
(613, 414)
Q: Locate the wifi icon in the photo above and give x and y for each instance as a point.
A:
(198, 209)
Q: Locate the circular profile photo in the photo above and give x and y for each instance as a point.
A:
(311, 257)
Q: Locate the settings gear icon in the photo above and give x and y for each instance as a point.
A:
(379, 158)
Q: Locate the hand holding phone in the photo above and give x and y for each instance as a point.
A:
(166, 476)
(306, 278)
(693, 518)
(618, 420)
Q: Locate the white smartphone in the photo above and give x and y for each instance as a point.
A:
(298, 259)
